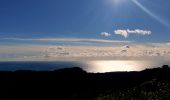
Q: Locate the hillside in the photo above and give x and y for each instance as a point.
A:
(76, 84)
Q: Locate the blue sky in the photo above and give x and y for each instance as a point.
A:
(29, 19)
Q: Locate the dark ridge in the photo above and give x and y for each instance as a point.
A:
(76, 84)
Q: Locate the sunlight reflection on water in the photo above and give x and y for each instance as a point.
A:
(119, 65)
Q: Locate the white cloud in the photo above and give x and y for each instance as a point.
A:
(121, 32)
(127, 32)
(138, 31)
(106, 34)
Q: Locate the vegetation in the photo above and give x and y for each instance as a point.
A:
(150, 90)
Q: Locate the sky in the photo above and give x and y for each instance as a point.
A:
(83, 22)
(85, 19)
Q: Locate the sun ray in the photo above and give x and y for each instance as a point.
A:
(160, 20)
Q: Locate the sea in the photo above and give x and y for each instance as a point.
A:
(94, 66)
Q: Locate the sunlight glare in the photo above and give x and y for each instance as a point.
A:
(119, 65)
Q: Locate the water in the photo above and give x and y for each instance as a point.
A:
(90, 66)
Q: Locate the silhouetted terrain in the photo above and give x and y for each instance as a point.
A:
(76, 84)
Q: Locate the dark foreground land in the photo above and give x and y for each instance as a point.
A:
(76, 84)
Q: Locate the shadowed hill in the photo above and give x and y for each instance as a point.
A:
(76, 84)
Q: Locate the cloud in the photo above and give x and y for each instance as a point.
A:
(106, 34)
(121, 32)
(138, 31)
(127, 32)
(67, 40)
(39, 52)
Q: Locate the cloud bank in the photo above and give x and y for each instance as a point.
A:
(127, 32)
(39, 52)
